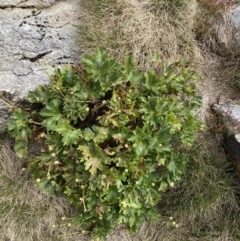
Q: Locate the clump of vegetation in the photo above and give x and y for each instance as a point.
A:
(114, 137)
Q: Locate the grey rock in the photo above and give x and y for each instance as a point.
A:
(235, 24)
(34, 36)
(231, 117)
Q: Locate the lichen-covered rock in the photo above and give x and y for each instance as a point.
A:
(35, 35)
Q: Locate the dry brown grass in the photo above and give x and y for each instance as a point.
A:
(220, 67)
(141, 28)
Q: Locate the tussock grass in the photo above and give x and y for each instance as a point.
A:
(142, 28)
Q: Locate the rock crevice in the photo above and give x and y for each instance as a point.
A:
(39, 4)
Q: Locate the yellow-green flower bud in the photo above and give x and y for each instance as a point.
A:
(50, 148)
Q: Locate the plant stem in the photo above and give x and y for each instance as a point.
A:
(6, 102)
(34, 122)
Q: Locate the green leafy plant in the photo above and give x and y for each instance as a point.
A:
(114, 138)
